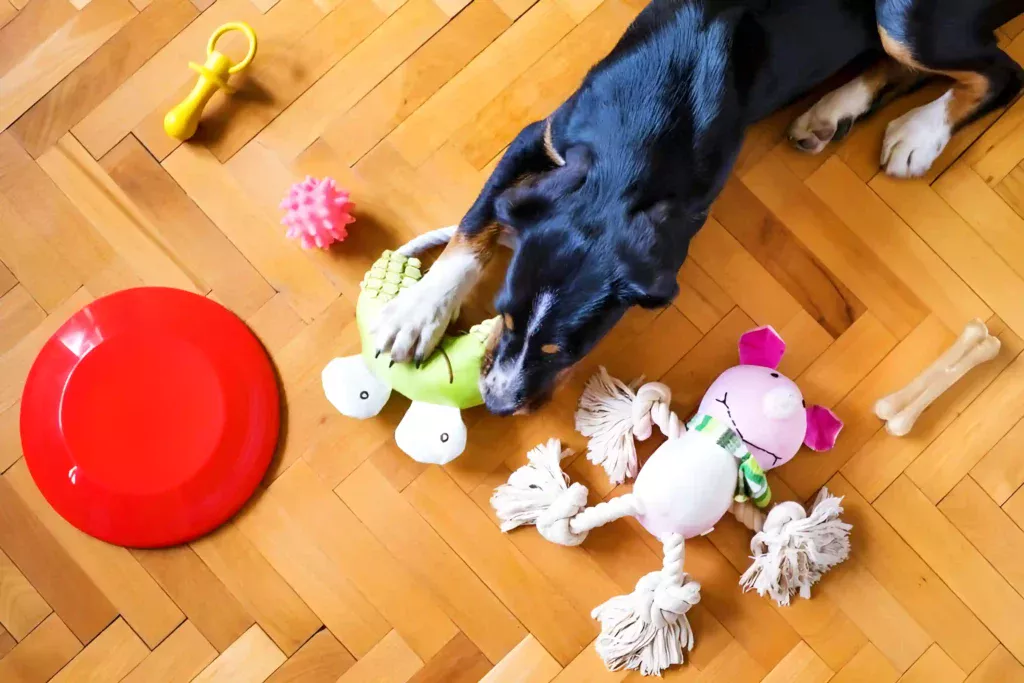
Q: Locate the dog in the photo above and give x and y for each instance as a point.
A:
(604, 196)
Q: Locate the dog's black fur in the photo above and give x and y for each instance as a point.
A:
(650, 137)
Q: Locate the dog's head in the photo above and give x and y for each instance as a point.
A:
(657, 126)
(579, 264)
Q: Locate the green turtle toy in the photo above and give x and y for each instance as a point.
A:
(432, 430)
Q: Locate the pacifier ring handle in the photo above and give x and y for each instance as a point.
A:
(235, 26)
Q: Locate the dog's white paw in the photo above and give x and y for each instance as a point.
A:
(831, 116)
(412, 324)
(915, 140)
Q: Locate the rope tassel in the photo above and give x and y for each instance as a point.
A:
(648, 630)
(794, 549)
(539, 493)
(611, 414)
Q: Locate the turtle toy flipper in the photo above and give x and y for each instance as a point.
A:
(353, 389)
(447, 382)
(432, 433)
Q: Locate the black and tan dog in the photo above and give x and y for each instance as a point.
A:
(604, 196)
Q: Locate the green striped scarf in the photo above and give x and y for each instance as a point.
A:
(751, 483)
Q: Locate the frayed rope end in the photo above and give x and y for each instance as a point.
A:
(795, 549)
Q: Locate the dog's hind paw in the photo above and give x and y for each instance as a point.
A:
(831, 117)
(915, 140)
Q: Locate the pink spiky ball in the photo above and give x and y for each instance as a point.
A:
(316, 213)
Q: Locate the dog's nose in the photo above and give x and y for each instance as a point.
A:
(502, 406)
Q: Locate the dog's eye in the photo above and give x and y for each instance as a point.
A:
(775, 374)
(549, 348)
(508, 321)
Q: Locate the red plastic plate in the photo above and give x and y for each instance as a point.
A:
(150, 417)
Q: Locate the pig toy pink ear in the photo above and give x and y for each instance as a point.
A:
(822, 428)
(762, 346)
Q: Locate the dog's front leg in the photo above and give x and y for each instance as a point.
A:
(411, 326)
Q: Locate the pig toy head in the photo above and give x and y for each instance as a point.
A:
(766, 408)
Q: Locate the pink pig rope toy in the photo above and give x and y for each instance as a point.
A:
(751, 420)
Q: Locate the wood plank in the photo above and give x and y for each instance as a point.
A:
(402, 598)
(184, 230)
(321, 660)
(206, 602)
(19, 314)
(138, 598)
(250, 659)
(896, 245)
(513, 579)
(877, 613)
(108, 658)
(57, 56)
(370, 120)
(260, 589)
(467, 600)
(868, 665)
(482, 80)
(1001, 471)
(254, 234)
(746, 282)
(818, 290)
(390, 661)
(288, 546)
(459, 661)
(971, 435)
(934, 667)
(955, 560)
(835, 245)
(41, 655)
(961, 248)
(352, 78)
(101, 74)
(985, 212)
(988, 529)
(528, 662)
(114, 216)
(176, 660)
(801, 665)
(54, 574)
(998, 667)
(913, 582)
(21, 607)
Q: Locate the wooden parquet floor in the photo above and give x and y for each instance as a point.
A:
(355, 564)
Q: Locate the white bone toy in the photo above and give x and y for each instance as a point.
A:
(901, 409)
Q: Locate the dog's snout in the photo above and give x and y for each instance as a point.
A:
(782, 402)
(503, 390)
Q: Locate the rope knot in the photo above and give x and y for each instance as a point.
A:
(553, 522)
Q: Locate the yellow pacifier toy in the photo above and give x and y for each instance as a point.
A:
(182, 121)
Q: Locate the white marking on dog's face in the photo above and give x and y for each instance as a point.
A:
(503, 387)
(915, 140)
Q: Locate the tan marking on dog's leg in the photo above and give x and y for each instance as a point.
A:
(970, 88)
(820, 124)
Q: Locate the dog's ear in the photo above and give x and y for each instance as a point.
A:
(650, 261)
(531, 200)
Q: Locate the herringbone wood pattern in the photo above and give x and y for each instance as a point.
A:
(355, 564)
